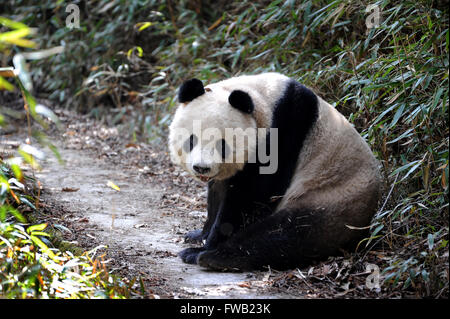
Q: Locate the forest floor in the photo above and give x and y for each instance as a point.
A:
(140, 228)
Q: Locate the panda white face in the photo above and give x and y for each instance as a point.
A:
(209, 137)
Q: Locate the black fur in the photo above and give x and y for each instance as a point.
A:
(242, 231)
(190, 143)
(216, 190)
(283, 240)
(241, 101)
(190, 90)
(223, 148)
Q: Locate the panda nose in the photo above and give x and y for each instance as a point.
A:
(201, 169)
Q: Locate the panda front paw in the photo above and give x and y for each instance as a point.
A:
(218, 260)
(195, 236)
(189, 255)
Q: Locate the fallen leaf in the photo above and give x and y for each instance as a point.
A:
(113, 186)
(244, 285)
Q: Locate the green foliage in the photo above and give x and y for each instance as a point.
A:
(30, 269)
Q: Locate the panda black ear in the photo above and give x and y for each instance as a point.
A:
(190, 90)
(241, 101)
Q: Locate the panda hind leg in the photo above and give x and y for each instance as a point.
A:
(284, 240)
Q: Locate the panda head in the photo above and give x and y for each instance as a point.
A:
(213, 132)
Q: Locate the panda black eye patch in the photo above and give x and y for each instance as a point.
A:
(222, 148)
(190, 143)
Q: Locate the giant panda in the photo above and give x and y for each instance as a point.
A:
(316, 203)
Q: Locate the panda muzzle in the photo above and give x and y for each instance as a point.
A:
(201, 172)
(204, 178)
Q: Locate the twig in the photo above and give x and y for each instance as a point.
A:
(172, 17)
(390, 192)
(381, 209)
(353, 61)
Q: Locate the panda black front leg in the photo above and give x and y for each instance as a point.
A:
(190, 255)
(218, 233)
(229, 219)
(216, 191)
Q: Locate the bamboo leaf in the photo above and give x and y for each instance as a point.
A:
(38, 227)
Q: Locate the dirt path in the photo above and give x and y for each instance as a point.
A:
(143, 224)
